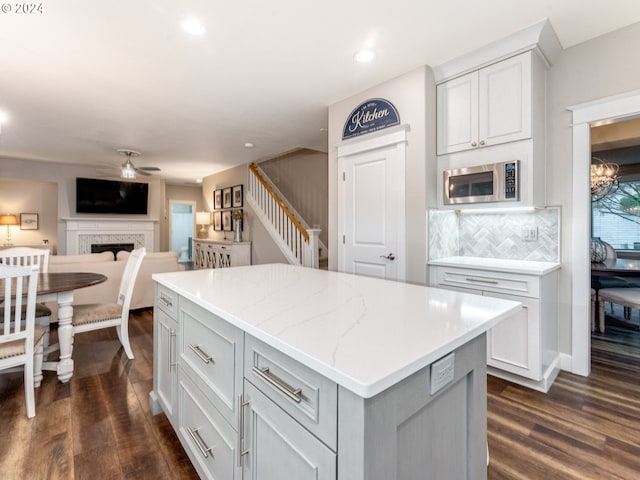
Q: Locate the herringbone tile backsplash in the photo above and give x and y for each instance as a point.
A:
(495, 235)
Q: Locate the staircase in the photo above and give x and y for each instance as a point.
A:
(298, 243)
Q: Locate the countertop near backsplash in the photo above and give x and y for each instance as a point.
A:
(495, 235)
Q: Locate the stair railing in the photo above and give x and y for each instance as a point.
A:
(298, 244)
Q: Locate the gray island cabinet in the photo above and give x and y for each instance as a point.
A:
(273, 372)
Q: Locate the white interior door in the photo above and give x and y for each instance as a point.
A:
(372, 208)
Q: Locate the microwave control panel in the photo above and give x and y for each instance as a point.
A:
(511, 181)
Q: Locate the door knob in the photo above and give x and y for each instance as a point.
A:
(391, 256)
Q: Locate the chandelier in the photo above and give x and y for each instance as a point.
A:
(604, 178)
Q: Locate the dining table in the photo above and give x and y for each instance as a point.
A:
(618, 267)
(621, 268)
(59, 287)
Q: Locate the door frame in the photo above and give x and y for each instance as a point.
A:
(385, 138)
(585, 115)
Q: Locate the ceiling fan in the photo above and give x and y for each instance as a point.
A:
(129, 170)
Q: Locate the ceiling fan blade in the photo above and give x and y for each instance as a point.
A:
(141, 172)
(149, 169)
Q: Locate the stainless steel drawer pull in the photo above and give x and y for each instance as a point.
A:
(294, 394)
(240, 448)
(481, 280)
(172, 335)
(206, 358)
(166, 301)
(204, 450)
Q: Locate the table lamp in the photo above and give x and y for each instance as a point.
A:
(9, 221)
(203, 218)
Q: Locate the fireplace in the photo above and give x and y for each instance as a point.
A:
(111, 247)
(84, 232)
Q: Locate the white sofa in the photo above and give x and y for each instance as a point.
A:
(106, 292)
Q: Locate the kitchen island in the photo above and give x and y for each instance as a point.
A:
(278, 371)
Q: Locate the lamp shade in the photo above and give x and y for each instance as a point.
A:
(6, 219)
(203, 218)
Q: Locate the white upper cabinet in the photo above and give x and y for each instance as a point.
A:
(486, 107)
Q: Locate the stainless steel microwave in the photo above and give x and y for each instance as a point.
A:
(494, 182)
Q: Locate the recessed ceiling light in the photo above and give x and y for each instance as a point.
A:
(364, 56)
(249, 145)
(192, 26)
(198, 180)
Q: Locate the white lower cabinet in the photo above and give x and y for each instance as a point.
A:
(513, 345)
(524, 347)
(165, 353)
(229, 428)
(278, 447)
(220, 254)
(243, 409)
(166, 329)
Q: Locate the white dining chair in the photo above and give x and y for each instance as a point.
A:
(95, 316)
(36, 257)
(20, 339)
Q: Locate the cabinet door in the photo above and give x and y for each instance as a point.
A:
(165, 361)
(457, 112)
(514, 344)
(279, 447)
(504, 91)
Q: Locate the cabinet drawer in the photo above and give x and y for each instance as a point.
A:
(209, 440)
(211, 351)
(306, 395)
(499, 282)
(167, 301)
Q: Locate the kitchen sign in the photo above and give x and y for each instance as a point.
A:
(370, 116)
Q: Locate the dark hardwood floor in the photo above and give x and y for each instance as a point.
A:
(98, 426)
(583, 428)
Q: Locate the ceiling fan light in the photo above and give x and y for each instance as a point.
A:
(128, 171)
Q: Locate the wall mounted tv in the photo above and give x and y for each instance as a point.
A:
(110, 196)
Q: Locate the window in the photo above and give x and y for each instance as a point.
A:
(616, 217)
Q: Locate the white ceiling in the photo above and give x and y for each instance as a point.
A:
(88, 77)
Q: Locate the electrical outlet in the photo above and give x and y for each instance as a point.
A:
(529, 233)
(442, 372)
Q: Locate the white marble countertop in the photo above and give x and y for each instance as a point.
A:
(498, 265)
(363, 333)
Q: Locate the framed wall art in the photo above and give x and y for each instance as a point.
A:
(217, 221)
(28, 221)
(237, 196)
(217, 199)
(226, 197)
(227, 223)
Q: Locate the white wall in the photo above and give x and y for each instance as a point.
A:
(413, 95)
(30, 196)
(301, 176)
(595, 69)
(64, 176)
(263, 248)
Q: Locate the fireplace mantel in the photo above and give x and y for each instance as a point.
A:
(81, 232)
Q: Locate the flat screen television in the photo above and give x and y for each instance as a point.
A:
(110, 196)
